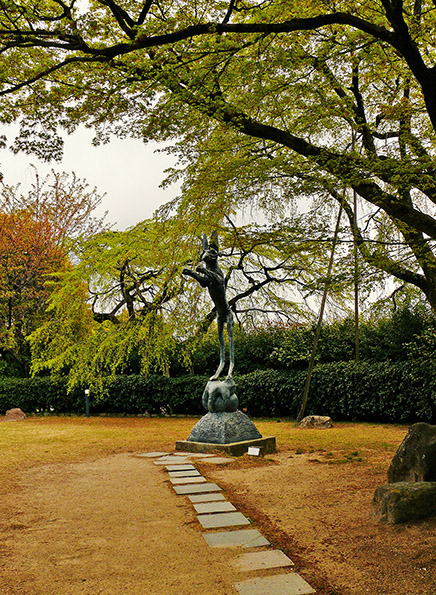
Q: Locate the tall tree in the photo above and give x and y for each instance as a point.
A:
(36, 235)
(337, 95)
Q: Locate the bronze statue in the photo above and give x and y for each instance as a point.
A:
(212, 277)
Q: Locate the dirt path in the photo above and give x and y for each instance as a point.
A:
(115, 526)
(112, 526)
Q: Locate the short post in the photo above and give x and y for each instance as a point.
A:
(87, 401)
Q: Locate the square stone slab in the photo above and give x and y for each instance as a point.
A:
(222, 519)
(152, 455)
(174, 460)
(263, 560)
(186, 480)
(187, 473)
(211, 507)
(242, 537)
(280, 584)
(197, 489)
(207, 497)
(186, 467)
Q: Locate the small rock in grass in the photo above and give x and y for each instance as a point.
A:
(316, 422)
(14, 415)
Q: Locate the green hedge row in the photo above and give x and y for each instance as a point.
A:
(124, 394)
(395, 392)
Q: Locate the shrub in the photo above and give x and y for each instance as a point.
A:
(393, 392)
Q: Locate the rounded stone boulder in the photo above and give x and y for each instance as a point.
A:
(404, 501)
(317, 422)
(415, 459)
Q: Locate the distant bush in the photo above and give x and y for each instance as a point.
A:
(253, 350)
(395, 392)
(38, 394)
(288, 347)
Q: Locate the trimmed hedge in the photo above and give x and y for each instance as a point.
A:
(395, 392)
(39, 394)
(123, 395)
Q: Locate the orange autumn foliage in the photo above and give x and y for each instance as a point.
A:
(35, 240)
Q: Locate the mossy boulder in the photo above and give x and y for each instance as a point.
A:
(404, 501)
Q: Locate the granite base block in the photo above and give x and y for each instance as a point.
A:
(235, 449)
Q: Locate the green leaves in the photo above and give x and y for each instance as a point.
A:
(271, 104)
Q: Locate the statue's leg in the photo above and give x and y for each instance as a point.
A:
(222, 350)
(231, 344)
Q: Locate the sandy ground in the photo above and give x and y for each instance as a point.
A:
(320, 514)
(115, 526)
(112, 526)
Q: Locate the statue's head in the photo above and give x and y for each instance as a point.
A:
(210, 249)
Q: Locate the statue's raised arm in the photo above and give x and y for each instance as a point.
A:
(211, 276)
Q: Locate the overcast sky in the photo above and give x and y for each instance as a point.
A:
(128, 171)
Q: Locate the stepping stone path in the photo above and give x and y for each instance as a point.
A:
(215, 512)
(197, 489)
(264, 559)
(222, 519)
(243, 538)
(206, 497)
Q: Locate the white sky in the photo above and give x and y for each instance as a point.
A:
(128, 171)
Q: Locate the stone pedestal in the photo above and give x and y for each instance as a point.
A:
(231, 432)
(223, 428)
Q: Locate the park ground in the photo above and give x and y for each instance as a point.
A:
(79, 513)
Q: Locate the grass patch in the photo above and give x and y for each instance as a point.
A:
(44, 440)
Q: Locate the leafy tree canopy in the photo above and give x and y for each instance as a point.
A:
(285, 98)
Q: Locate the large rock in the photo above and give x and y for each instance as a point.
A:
(404, 501)
(14, 415)
(319, 422)
(415, 459)
(224, 428)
